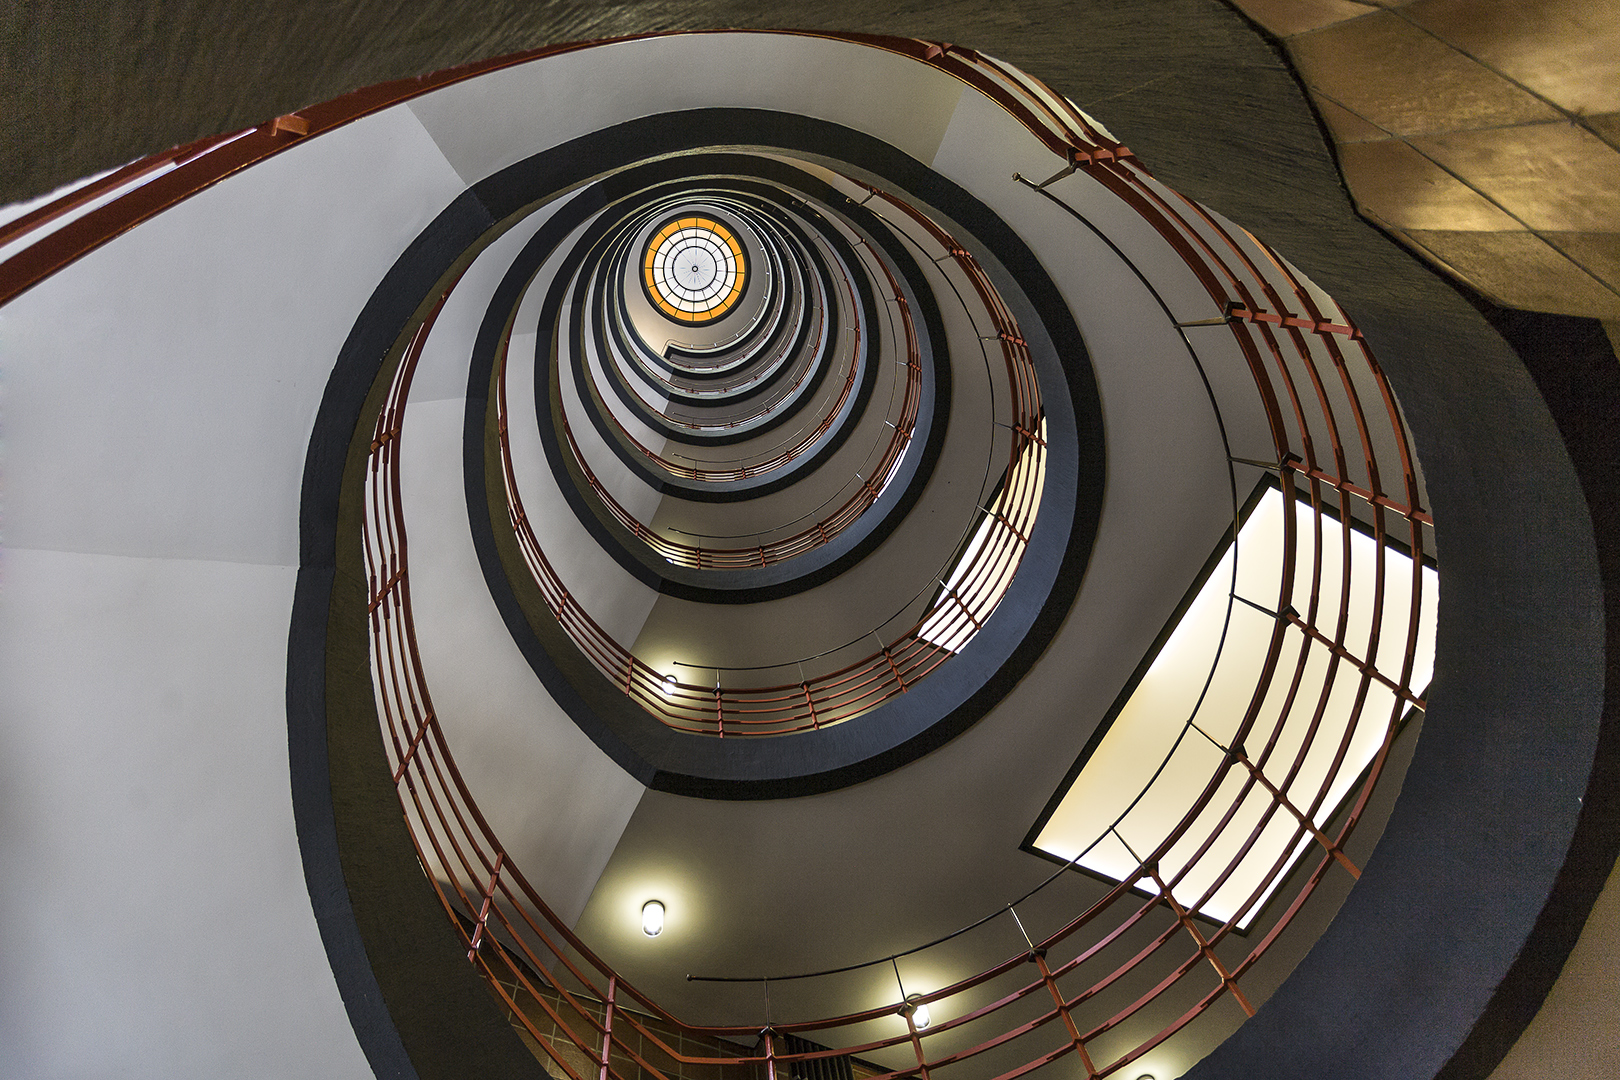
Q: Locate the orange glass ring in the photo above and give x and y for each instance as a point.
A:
(694, 270)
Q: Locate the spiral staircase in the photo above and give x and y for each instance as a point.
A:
(693, 478)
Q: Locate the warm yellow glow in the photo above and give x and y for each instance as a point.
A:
(1144, 736)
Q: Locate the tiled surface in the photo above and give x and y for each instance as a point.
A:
(1598, 253)
(1484, 133)
(1409, 191)
(1550, 176)
(1345, 125)
(1561, 49)
(1369, 64)
(1519, 269)
(1288, 17)
(1607, 128)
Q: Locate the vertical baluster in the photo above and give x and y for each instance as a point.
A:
(1038, 957)
(907, 1010)
(1287, 804)
(1203, 944)
(916, 1044)
(607, 1027)
(483, 912)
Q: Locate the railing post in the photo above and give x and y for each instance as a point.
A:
(1203, 945)
(483, 912)
(607, 1027)
(916, 1042)
(410, 751)
(1039, 957)
(1364, 666)
(1287, 804)
(895, 670)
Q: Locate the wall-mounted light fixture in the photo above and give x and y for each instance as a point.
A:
(669, 685)
(920, 1017)
(652, 918)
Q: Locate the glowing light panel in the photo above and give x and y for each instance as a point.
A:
(694, 270)
(1151, 752)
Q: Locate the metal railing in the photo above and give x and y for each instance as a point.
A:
(1077, 991)
(834, 696)
(1339, 439)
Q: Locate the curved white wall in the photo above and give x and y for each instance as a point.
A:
(159, 396)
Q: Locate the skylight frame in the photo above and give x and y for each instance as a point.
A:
(1351, 776)
(719, 243)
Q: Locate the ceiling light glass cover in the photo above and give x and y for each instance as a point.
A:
(652, 918)
(694, 270)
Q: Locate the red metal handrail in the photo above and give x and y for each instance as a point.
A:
(1312, 372)
(858, 687)
(1288, 357)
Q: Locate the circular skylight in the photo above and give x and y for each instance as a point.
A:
(694, 270)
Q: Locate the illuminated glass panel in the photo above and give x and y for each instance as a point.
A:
(694, 270)
(981, 577)
(1152, 756)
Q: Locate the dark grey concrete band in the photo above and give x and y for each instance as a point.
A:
(419, 1011)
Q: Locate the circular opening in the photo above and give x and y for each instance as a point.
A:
(694, 270)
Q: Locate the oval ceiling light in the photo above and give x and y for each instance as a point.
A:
(652, 918)
(920, 1016)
